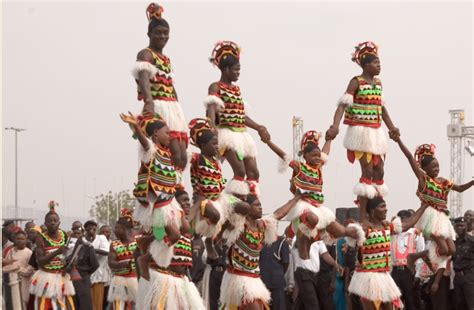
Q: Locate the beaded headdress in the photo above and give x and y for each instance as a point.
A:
(223, 49)
(311, 136)
(424, 150)
(154, 11)
(362, 50)
(197, 127)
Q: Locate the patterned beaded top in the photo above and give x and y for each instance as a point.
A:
(125, 252)
(435, 193)
(244, 253)
(51, 245)
(308, 181)
(161, 84)
(375, 252)
(367, 107)
(206, 177)
(232, 115)
(182, 253)
(159, 176)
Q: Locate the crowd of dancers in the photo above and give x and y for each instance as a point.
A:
(150, 267)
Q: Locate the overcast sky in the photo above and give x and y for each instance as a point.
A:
(66, 78)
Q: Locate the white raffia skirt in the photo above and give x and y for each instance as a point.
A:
(158, 217)
(172, 114)
(374, 286)
(237, 290)
(240, 142)
(365, 139)
(123, 289)
(224, 206)
(165, 291)
(51, 285)
(324, 214)
(434, 222)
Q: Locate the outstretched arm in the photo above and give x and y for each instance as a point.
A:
(285, 209)
(262, 130)
(332, 132)
(275, 148)
(463, 187)
(411, 221)
(326, 147)
(144, 82)
(132, 120)
(414, 165)
(388, 121)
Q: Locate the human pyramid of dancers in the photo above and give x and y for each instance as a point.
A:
(232, 211)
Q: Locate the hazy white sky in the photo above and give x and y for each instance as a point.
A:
(66, 78)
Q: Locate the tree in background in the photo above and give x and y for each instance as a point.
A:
(107, 206)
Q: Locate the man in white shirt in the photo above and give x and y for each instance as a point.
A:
(101, 277)
(401, 246)
(306, 271)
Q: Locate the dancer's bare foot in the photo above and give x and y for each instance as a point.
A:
(143, 261)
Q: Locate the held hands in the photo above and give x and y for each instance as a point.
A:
(340, 270)
(129, 119)
(331, 133)
(264, 134)
(394, 134)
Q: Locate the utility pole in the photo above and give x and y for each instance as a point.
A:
(17, 130)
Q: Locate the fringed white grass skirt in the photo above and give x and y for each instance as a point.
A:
(365, 139)
(374, 286)
(224, 206)
(436, 260)
(123, 289)
(324, 214)
(172, 114)
(237, 290)
(437, 223)
(240, 142)
(165, 291)
(51, 285)
(161, 253)
(158, 217)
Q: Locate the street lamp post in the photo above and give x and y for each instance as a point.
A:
(17, 130)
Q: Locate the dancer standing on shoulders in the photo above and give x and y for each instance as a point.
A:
(227, 113)
(154, 76)
(364, 109)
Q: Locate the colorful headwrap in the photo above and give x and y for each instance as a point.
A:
(200, 131)
(365, 50)
(423, 151)
(311, 136)
(146, 119)
(222, 49)
(154, 11)
(126, 218)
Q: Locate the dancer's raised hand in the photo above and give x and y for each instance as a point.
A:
(129, 119)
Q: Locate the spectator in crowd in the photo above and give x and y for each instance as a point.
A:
(106, 230)
(274, 261)
(463, 265)
(101, 277)
(402, 245)
(306, 276)
(469, 216)
(216, 263)
(19, 271)
(82, 263)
